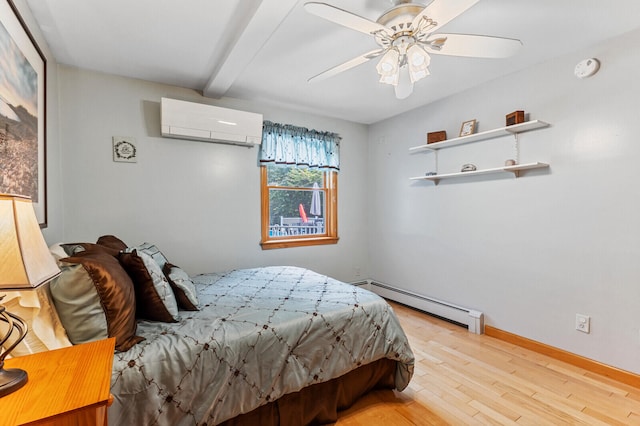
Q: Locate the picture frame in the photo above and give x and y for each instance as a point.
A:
(22, 112)
(468, 128)
(125, 149)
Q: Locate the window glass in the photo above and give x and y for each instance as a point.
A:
(298, 206)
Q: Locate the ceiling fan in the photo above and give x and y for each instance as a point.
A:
(405, 36)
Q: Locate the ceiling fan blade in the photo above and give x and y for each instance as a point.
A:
(443, 11)
(476, 46)
(347, 65)
(344, 18)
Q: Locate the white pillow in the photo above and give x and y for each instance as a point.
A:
(182, 286)
(35, 308)
(57, 251)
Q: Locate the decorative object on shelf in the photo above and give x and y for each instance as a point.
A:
(516, 117)
(469, 168)
(587, 68)
(468, 128)
(510, 162)
(23, 71)
(438, 136)
(124, 149)
(515, 169)
(487, 134)
(25, 263)
(430, 174)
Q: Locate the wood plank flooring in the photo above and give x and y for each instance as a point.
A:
(467, 379)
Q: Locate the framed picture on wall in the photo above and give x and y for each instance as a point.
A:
(22, 112)
(468, 128)
(124, 149)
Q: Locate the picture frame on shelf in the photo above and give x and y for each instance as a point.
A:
(468, 128)
(22, 112)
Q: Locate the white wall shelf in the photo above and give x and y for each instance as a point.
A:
(477, 137)
(516, 169)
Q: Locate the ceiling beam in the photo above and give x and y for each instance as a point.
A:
(265, 21)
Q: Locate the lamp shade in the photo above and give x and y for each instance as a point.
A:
(25, 261)
(388, 67)
(418, 60)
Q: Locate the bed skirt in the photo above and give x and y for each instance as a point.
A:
(319, 404)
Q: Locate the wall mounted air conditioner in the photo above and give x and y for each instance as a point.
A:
(201, 122)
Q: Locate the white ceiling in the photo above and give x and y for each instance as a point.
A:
(267, 49)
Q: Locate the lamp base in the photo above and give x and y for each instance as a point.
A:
(11, 380)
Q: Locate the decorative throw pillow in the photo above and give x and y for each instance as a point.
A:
(154, 298)
(36, 309)
(57, 251)
(150, 250)
(112, 242)
(95, 299)
(74, 248)
(182, 287)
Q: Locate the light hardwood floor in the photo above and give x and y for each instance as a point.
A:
(466, 379)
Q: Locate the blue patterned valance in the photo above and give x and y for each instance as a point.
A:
(286, 144)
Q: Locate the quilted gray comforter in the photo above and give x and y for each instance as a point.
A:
(260, 333)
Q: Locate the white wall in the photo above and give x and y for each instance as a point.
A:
(534, 251)
(198, 202)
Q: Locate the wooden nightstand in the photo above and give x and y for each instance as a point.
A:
(67, 386)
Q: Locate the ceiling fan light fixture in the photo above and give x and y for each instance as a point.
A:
(418, 74)
(386, 68)
(418, 57)
(390, 79)
(404, 88)
(418, 61)
(389, 62)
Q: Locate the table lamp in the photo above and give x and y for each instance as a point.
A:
(25, 263)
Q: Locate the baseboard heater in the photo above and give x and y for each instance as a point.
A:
(469, 318)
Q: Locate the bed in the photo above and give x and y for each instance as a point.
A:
(271, 346)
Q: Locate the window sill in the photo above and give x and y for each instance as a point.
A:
(297, 242)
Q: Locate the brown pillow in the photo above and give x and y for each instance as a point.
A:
(182, 287)
(155, 300)
(74, 248)
(111, 242)
(93, 284)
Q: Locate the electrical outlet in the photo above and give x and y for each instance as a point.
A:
(583, 323)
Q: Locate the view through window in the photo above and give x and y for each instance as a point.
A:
(298, 206)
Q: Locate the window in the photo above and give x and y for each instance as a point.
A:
(299, 206)
(299, 187)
